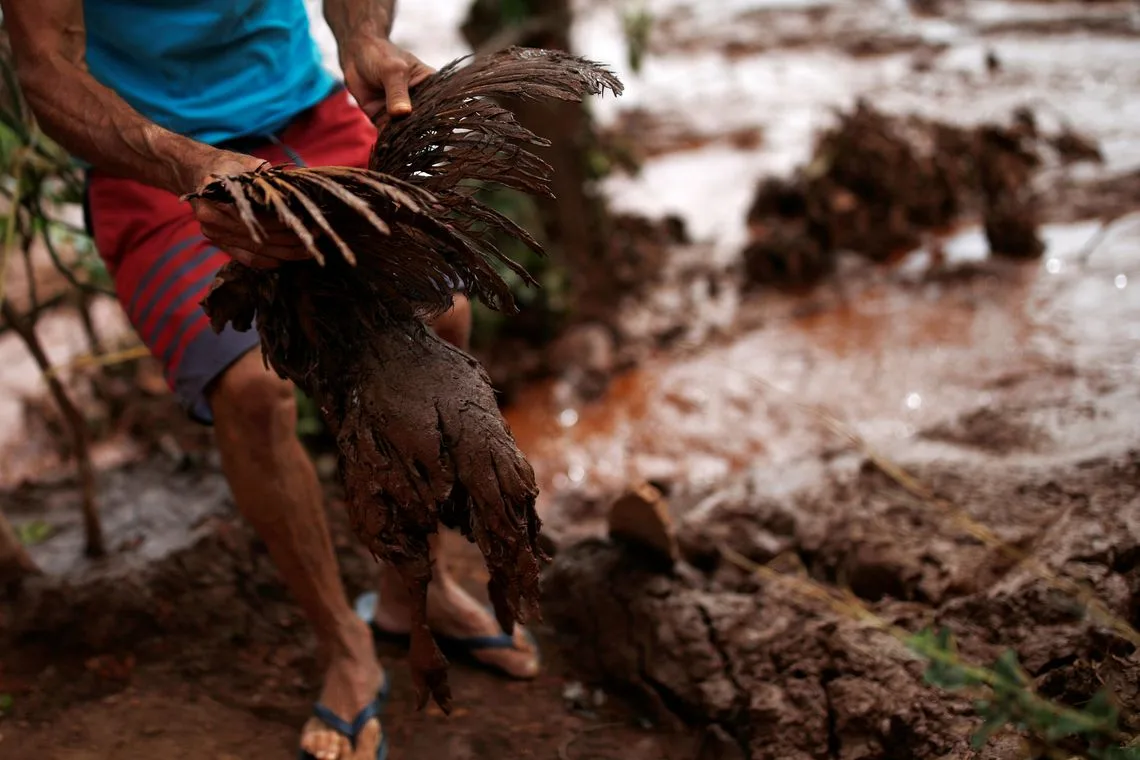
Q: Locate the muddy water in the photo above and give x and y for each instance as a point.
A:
(891, 354)
(780, 66)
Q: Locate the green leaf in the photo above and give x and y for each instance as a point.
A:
(32, 533)
(1102, 707)
(6, 702)
(1008, 669)
(941, 651)
(1118, 753)
(1066, 724)
(637, 25)
(993, 723)
(514, 11)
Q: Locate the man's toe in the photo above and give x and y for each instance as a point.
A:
(368, 741)
(321, 742)
(520, 662)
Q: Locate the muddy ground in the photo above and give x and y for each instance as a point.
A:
(1010, 388)
(185, 645)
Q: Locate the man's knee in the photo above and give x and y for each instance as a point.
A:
(252, 404)
(454, 325)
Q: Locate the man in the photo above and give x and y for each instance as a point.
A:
(158, 98)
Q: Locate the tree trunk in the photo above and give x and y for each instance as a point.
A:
(575, 222)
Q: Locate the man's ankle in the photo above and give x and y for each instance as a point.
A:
(348, 637)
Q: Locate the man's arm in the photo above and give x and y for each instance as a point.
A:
(377, 73)
(89, 120)
(372, 17)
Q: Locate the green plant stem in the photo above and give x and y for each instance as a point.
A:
(10, 231)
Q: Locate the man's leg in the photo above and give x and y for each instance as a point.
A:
(163, 268)
(276, 490)
(451, 610)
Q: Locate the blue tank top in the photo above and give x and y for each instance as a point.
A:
(212, 70)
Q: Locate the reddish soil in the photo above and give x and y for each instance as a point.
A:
(184, 645)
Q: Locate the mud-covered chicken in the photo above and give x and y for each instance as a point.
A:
(421, 440)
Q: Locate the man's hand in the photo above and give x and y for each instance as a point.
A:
(379, 75)
(222, 225)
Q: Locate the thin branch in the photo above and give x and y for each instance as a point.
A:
(10, 231)
(517, 34)
(30, 273)
(101, 360)
(59, 299)
(83, 305)
(92, 527)
(57, 260)
(1107, 225)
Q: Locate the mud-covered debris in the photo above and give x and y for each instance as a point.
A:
(1073, 147)
(640, 134)
(641, 516)
(420, 436)
(639, 247)
(785, 676)
(879, 184)
(993, 63)
(788, 246)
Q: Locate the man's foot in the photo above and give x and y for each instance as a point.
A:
(352, 681)
(455, 614)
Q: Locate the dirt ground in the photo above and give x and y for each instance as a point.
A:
(1010, 388)
(185, 645)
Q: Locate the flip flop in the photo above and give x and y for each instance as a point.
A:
(455, 647)
(352, 730)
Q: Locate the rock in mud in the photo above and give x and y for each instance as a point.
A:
(584, 356)
(641, 516)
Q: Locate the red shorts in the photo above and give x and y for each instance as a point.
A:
(163, 266)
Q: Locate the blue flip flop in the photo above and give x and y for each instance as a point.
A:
(352, 730)
(455, 647)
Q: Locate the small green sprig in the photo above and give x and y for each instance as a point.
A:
(1011, 701)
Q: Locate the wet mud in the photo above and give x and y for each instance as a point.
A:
(184, 643)
(1009, 387)
(789, 678)
(880, 185)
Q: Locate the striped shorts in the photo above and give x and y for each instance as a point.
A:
(163, 267)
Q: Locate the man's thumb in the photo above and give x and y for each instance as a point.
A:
(399, 101)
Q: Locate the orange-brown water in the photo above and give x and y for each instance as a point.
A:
(889, 358)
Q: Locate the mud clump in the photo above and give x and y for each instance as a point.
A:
(781, 679)
(786, 676)
(421, 440)
(878, 185)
